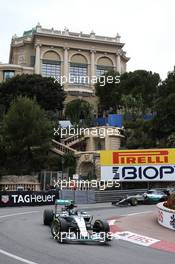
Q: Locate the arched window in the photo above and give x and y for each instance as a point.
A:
(104, 64)
(78, 70)
(51, 65)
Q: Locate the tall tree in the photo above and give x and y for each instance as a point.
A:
(26, 136)
(78, 110)
(70, 164)
(164, 122)
(139, 95)
(135, 93)
(135, 96)
(48, 93)
(108, 91)
(140, 87)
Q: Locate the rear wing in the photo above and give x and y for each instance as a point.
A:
(64, 202)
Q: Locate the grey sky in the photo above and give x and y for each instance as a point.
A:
(146, 26)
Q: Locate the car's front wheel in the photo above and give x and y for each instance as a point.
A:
(59, 229)
(102, 226)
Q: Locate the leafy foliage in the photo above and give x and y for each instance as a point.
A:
(48, 93)
(109, 94)
(26, 136)
(77, 110)
(136, 92)
(164, 122)
(142, 86)
(138, 135)
(70, 163)
(171, 201)
(134, 96)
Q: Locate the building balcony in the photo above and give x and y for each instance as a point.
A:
(79, 89)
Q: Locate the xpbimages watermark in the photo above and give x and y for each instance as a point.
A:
(87, 80)
(100, 132)
(101, 236)
(86, 184)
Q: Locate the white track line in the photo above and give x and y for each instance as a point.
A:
(144, 212)
(16, 214)
(12, 255)
(16, 257)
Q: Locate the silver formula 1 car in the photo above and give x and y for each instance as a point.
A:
(152, 196)
(70, 224)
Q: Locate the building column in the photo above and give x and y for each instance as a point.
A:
(66, 67)
(91, 143)
(1, 76)
(107, 143)
(92, 68)
(118, 62)
(37, 59)
(66, 64)
(92, 63)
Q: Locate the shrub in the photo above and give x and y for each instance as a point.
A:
(171, 201)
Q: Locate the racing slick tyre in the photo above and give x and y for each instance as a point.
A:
(102, 226)
(133, 202)
(59, 228)
(47, 216)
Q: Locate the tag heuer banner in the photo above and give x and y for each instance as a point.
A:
(12, 198)
(138, 165)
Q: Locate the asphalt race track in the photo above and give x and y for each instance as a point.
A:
(24, 239)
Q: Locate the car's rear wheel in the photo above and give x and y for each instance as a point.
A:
(133, 201)
(59, 229)
(48, 216)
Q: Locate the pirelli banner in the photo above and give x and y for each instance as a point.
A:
(12, 198)
(138, 165)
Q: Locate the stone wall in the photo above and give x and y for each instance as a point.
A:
(19, 179)
(13, 182)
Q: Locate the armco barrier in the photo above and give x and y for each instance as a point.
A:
(112, 195)
(80, 197)
(92, 196)
(166, 216)
(25, 198)
(13, 198)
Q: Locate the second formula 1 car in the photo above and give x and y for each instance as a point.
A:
(152, 196)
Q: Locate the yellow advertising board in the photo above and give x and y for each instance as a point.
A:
(138, 165)
(137, 157)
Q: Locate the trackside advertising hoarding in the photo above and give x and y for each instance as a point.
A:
(14, 198)
(138, 165)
